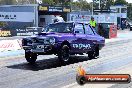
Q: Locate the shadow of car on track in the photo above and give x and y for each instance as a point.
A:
(47, 63)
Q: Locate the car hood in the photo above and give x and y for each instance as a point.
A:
(45, 33)
(53, 34)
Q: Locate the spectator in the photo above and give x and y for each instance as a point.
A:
(93, 22)
(123, 25)
(100, 30)
(58, 19)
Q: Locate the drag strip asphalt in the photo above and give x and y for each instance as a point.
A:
(49, 73)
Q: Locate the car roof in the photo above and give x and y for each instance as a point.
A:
(62, 22)
(72, 22)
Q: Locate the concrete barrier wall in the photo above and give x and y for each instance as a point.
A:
(10, 45)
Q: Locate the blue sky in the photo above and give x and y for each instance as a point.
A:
(130, 1)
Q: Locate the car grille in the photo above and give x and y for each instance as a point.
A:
(37, 40)
(26, 42)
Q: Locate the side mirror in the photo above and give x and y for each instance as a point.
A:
(76, 32)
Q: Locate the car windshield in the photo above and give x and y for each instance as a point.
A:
(59, 28)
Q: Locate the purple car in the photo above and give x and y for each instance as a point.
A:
(63, 39)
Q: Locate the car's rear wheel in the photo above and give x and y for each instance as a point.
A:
(30, 57)
(64, 55)
(93, 54)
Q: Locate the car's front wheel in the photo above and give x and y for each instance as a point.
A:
(64, 55)
(30, 57)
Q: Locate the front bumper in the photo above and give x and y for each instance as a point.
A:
(41, 49)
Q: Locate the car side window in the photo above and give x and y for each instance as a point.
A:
(79, 29)
(88, 30)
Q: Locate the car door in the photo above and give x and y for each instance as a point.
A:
(90, 36)
(80, 44)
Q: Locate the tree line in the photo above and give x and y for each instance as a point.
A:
(79, 5)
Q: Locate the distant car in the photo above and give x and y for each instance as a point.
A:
(63, 39)
(130, 25)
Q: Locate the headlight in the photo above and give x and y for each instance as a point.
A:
(50, 41)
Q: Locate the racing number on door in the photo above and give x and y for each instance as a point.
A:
(81, 42)
(82, 46)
